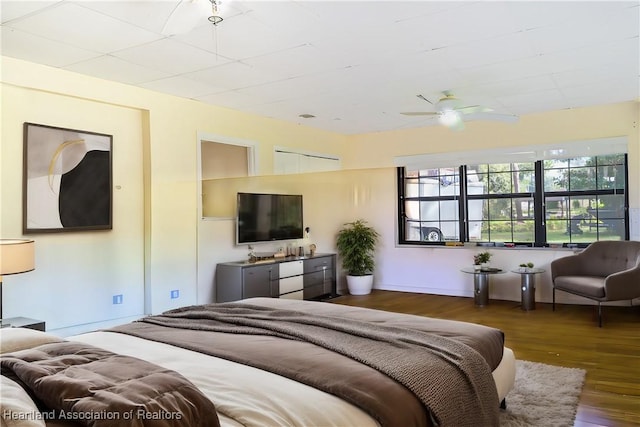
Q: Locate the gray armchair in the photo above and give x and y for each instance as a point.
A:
(604, 271)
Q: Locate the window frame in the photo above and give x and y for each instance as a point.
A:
(539, 197)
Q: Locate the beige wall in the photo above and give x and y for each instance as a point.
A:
(167, 129)
(534, 129)
(160, 244)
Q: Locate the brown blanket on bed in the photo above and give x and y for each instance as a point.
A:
(93, 387)
(452, 380)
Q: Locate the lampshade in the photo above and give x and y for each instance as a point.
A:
(16, 256)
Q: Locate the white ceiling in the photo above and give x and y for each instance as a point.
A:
(354, 65)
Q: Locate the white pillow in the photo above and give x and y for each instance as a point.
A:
(16, 407)
(15, 339)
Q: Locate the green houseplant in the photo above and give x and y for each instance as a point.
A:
(356, 244)
(482, 258)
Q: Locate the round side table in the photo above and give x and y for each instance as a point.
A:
(481, 283)
(528, 286)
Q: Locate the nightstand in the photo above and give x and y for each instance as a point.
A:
(23, 322)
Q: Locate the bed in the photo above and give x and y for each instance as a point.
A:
(277, 362)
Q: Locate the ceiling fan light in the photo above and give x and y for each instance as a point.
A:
(449, 117)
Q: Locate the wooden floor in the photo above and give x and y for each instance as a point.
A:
(567, 337)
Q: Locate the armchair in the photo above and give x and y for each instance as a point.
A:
(604, 271)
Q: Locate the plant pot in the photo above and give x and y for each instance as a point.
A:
(477, 267)
(360, 285)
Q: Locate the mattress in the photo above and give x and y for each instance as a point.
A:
(247, 396)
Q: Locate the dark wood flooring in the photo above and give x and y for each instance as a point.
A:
(567, 337)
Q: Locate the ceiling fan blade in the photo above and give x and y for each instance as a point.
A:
(472, 109)
(423, 98)
(419, 113)
(507, 118)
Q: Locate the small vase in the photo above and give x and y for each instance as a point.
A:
(477, 267)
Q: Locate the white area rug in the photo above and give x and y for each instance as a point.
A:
(543, 396)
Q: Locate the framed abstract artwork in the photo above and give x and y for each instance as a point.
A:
(67, 180)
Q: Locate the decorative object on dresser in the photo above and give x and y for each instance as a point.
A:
(356, 244)
(16, 256)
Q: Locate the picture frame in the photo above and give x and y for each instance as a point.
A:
(67, 180)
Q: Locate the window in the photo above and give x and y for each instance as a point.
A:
(577, 200)
(432, 208)
(585, 199)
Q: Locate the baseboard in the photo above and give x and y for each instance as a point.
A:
(90, 327)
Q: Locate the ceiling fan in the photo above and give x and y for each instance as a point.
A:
(450, 112)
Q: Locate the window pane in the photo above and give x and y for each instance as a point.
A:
(500, 231)
(607, 215)
(499, 209)
(411, 188)
(476, 184)
(412, 230)
(525, 182)
(480, 232)
(429, 187)
(610, 177)
(556, 179)
(612, 159)
(412, 209)
(477, 208)
(430, 211)
(582, 179)
(530, 166)
(574, 211)
(556, 231)
(556, 163)
(523, 208)
(500, 183)
(524, 231)
(577, 162)
(450, 230)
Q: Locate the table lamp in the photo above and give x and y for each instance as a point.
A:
(16, 256)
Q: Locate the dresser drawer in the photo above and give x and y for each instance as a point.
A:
(290, 284)
(291, 268)
(312, 265)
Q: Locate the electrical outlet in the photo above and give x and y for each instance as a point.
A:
(117, 299)
(175, 294)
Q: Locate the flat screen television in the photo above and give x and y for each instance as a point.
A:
(269, 217)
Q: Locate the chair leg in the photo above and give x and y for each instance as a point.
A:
(599, 314)
(554, 299)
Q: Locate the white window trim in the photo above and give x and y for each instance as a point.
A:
(528, 153)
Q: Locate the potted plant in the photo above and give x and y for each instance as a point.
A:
(356, 244)
(481, 260)
(525, 266)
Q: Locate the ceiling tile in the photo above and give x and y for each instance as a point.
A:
(355, 64)
(233, 75)
(238, 37)
(171, 57)
(181, 86)
(109, 67)
(28, 47)
(12, 9)
(151, 15)
(83, 28)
